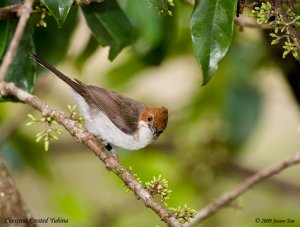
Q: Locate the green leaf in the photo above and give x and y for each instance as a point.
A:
(4, 27)
(3, 36)
(212, 28)
(59, 9)
(9, 2)
(21, 70)
(109, 25)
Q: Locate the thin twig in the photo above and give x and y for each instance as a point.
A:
(250, 23)
(87, 2)
(24, 13)
(228, 197)
(87, 139)
(289, 188)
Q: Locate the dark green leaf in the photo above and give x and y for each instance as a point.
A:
(3, 36)
(212, 28)
(52, 43)
(59, 9)
(109, 25)
(4, 27)
(9, 2)
(21, 70)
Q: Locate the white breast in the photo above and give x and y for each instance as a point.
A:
(100, 125)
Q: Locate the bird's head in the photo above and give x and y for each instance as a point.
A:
(156, 118)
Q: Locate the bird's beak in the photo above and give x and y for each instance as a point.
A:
(156, 133)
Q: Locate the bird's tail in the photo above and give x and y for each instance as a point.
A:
(59, 74)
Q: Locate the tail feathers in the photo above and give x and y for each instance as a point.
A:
(59, 74)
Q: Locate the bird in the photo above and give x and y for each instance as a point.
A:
(116, 119)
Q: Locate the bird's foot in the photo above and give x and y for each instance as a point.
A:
(111, 151)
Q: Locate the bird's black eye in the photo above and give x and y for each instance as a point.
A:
(150, 118)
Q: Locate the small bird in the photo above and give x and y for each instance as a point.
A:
(117, 119)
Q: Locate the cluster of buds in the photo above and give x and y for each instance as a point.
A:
(49, 133)
(184, 214)
(266, 14)
(43, 11)
(158, 187)
(74, 115)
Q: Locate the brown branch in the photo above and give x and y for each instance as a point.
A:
(12, 207)
(10, 126)
(86, 2)
(250, 23)
(9, 11)
(87, 139)
(239, 20)
(24, 13)
(287, 187)
(228, 197)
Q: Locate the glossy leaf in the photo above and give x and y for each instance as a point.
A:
(21, 70)
(58, 9)
(212, 29)
(109, 25)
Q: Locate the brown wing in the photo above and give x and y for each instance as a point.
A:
(123, 111)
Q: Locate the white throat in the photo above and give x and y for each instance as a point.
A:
(100, 125)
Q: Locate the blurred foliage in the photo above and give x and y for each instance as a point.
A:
(204, 134)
